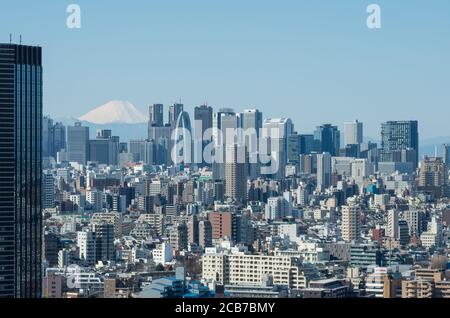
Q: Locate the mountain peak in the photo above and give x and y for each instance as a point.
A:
(115, 112)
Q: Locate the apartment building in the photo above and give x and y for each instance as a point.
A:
(256, 270)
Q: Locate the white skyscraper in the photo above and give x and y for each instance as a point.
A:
(392, 226)
(353, 133)
(275, 133)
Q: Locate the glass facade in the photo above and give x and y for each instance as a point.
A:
(397, 136)
(20, 171)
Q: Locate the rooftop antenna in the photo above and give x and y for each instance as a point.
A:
(20, 39)
(10, 38)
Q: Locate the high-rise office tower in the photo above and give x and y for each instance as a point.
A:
(350, 223)
(433, 176)
(59, 138)
(306, 144)
(229, 123)
(47, 137)
(252, 119)
(203, 117)
(236, 173)
(182, 144)
(251, 124)
(53, 137)
(323, 171)
(174, 112)
(105, 148)
(162, 138)
(398, 136)
(78, 143)
(446, 154)
(327, 138)
(20, 166)
(294, 146)
(144, 151)
(353, 133)
(156, 115)
(223, 120)
(276, 132)
(225, 123)
(203, 114)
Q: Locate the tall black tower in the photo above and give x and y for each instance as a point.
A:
(20, 171)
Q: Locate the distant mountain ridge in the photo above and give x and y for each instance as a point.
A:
(115, 112)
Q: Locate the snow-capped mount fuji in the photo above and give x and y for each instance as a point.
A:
(115, 112)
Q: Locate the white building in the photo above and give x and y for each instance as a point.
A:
(353, 133)
(361, 169)
(163, 254)
(253, 270)
(277, 208)
(94, 198)
(86, 246)
(392, 224)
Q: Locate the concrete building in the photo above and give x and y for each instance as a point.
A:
(353, 133)
(350, 223)
(241, 269)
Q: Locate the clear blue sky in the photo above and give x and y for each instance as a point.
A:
(314, 61)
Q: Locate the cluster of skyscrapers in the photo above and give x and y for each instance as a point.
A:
(276, 212)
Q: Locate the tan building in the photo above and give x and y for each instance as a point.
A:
(236, 173)
(428, 283)
(221, 224)
(110, 287)
(433, 176)
(418, 288)
(443, 289)
(52, 287)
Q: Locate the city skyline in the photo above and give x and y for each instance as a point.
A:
(305, 172)
(287, 66)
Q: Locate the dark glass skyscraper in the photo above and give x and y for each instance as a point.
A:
(203, 120)
(203, 114)
(20, 171)
(156, 115)
(174, 112)
(397, 138)
(327, 138)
